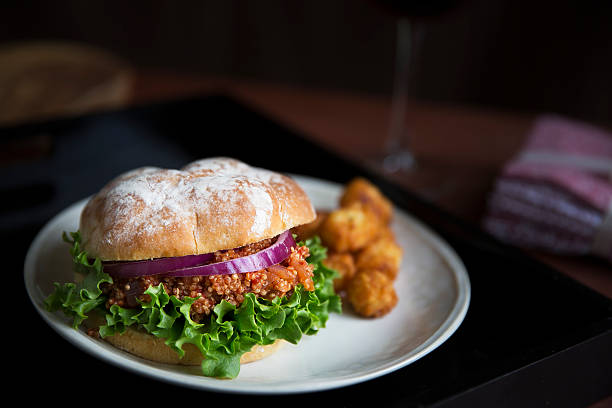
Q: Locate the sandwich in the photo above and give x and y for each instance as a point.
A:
(197, 266)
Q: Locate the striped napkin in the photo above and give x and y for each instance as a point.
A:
(556, 194)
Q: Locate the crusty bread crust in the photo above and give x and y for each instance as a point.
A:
(149, 347)
(209, 205)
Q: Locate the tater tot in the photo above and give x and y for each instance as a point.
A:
(311, 229)
(386, 232)
(371, 293)
(344, 264)
(383, 254)
(360, 190)
(349, 229)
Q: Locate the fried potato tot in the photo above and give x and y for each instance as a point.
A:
(344, 264)
(386, 233)
(311, 229)
(360, 190)
(371, 293)
(349, 229)
(383, 254)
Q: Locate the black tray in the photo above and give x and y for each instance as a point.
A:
(531, 336)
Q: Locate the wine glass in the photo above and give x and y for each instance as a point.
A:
(397, 155)
(411, 20)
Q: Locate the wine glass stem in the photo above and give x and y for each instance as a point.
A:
(398, 140)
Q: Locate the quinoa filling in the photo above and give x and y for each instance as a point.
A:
(275, 281)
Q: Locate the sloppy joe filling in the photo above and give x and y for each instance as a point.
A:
(274, 281)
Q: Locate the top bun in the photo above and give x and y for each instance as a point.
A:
(208, 205)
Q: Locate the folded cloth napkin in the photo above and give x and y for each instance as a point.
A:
(556, 194)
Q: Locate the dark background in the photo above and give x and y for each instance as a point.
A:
(530, 56)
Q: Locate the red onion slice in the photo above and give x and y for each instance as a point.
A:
(133, 269)
(274, 254)
(195, 265)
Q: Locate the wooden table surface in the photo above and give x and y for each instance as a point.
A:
(460, 149)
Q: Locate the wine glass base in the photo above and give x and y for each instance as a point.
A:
(398, 161)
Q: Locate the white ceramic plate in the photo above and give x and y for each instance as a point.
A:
(432, 286)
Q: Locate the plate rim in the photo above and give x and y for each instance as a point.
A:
(445, 330)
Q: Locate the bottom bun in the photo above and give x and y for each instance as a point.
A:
(153, 348)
